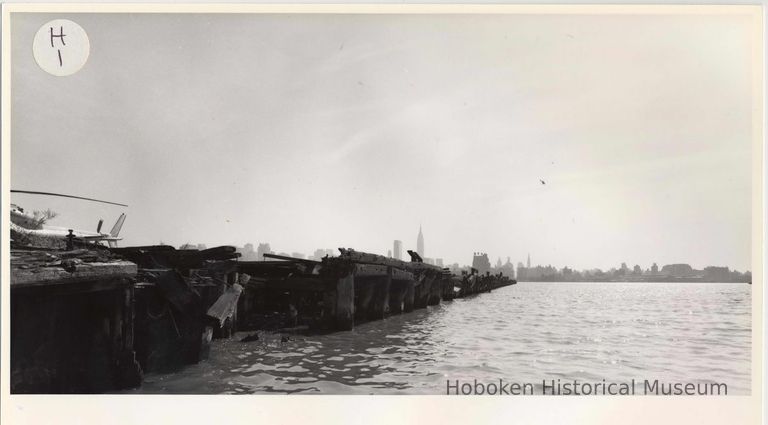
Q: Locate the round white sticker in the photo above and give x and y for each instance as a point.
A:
(61, 47)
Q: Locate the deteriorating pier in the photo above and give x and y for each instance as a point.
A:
(337, 292)
(95, 320)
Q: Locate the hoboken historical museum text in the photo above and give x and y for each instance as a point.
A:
(577, 387)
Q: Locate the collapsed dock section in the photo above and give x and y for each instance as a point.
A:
(184, 299)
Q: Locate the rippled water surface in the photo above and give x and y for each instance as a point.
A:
(678, 332)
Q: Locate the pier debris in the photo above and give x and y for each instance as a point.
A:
(184, 299)
(252, 337)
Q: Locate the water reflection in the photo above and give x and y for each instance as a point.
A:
(525, 333)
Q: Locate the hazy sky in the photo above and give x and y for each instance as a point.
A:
(320, 131)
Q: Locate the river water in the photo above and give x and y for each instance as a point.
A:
(673, 332)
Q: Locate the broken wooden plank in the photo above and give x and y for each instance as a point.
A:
(176, 290)
(224, 252)
(82, 272)
(225, 306)
(165, 256)
(293, 259)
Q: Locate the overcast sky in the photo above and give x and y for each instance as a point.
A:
(321, 131)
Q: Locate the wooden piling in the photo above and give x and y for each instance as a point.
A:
(363, 295)
(423, 291)
(328, 311)
(379, 306)
(410, 295)
(435, 291)
(345, 302)
(397, 288)
(396, 297)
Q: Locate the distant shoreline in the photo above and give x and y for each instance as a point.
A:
(670, 280)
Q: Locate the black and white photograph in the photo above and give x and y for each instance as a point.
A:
(401, 202)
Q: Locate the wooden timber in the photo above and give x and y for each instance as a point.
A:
(345, 302)
(283, 257)
(36, 268)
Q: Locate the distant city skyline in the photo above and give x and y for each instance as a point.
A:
(653, 268)
(584, 139)
(667, 273)
(481, 262)
(249, 254)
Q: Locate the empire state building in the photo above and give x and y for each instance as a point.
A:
(420, 244)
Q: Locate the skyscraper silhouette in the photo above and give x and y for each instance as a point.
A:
(420, 243)
(398, 250)
(529, 261)
(481, 263)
